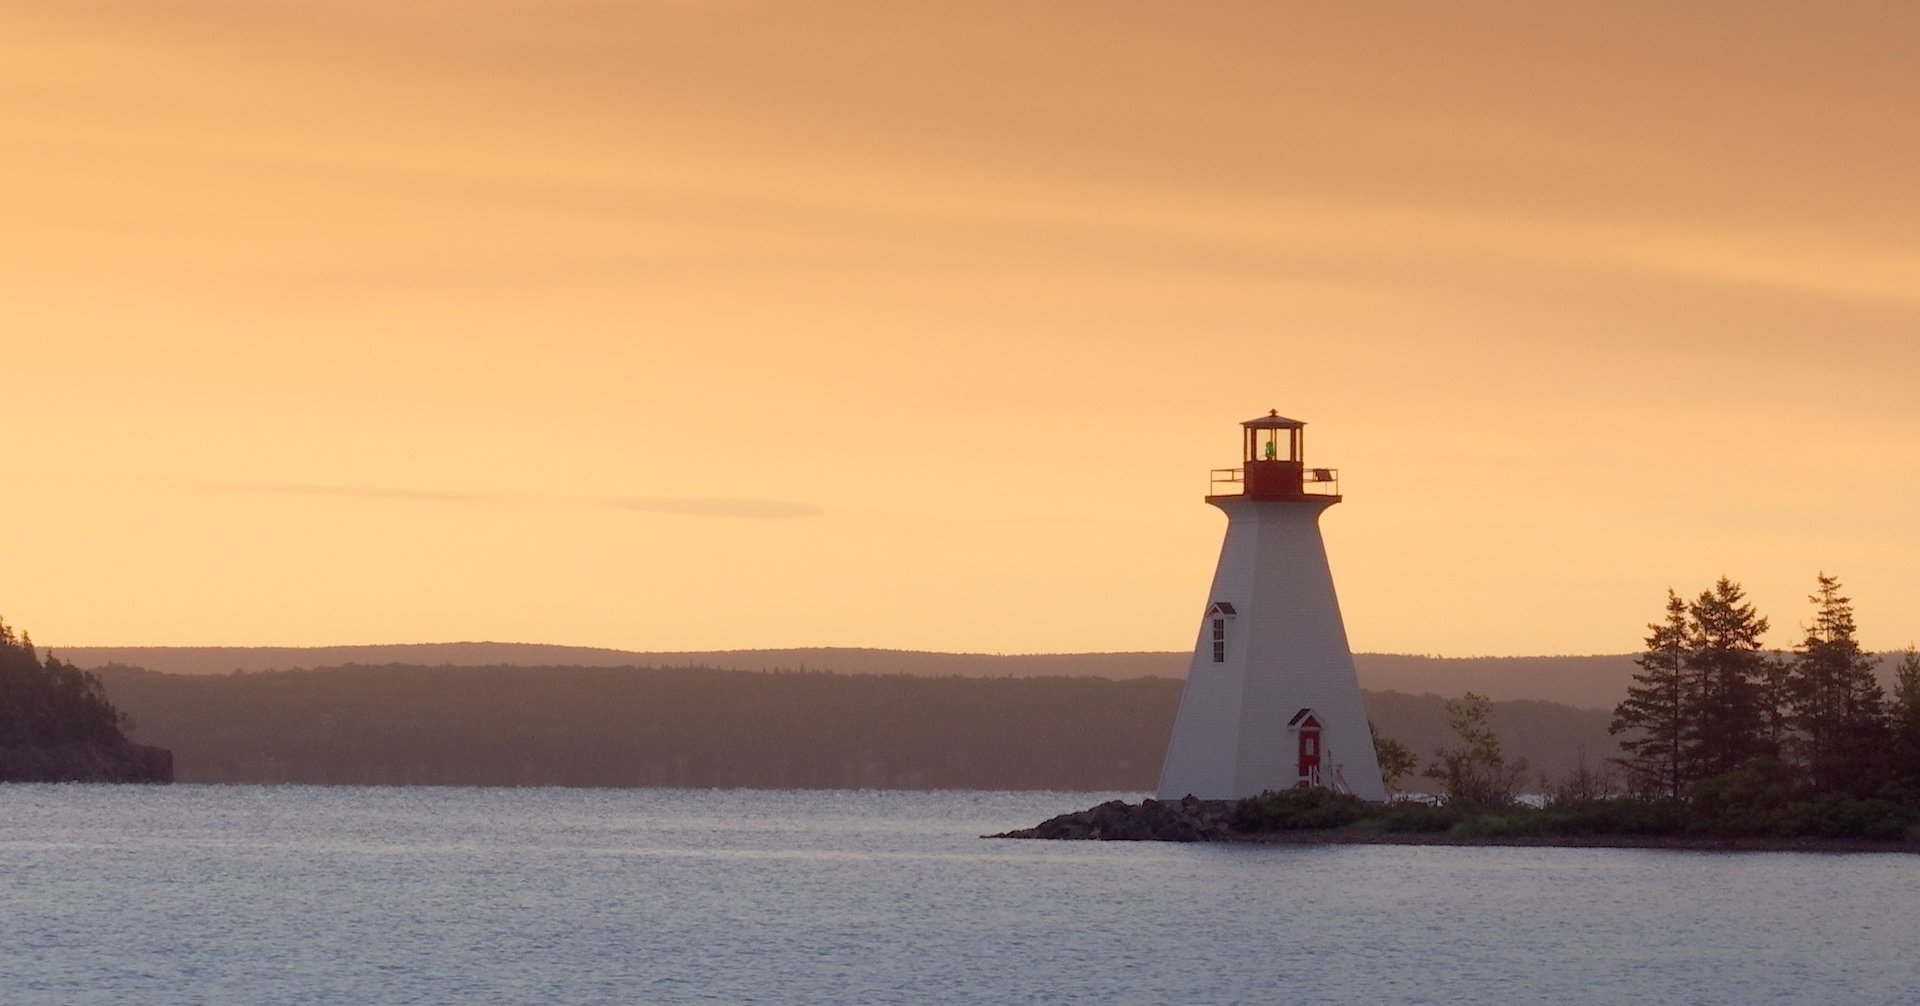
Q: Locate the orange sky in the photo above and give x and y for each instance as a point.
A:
(707, 324)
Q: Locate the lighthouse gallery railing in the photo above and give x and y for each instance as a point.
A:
(1313, 481)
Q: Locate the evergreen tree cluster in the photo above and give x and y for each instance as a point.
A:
(1709, 702)
(56, 724)
(46, 703)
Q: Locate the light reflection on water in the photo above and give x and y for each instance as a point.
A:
(292, 894)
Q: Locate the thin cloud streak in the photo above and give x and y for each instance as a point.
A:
(367, 492)
(687, 506)
(736, 508)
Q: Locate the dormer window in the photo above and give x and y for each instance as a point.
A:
(1217, 616)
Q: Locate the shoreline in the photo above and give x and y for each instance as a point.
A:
(1315, 818)
(1675, 843)
(1670, 843)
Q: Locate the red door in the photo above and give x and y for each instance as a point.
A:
(1310, 752)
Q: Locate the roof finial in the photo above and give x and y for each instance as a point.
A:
(1273, 412)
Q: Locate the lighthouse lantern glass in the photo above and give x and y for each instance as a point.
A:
(1273, 444)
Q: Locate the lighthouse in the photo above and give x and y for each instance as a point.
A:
(1271, 700)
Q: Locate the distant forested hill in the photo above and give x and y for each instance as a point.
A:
(608, 726)
(1592, 682)
(594, 726)
(846, 660)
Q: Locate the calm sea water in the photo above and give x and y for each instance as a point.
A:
(204, 894)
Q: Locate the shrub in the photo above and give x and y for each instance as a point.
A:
(1476, 773)
(1838, 815)
(1619, 816)
(1297, 810)
(1762, 797)
(1413, 817)
(1511, 822)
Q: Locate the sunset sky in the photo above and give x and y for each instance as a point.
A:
(695, 324)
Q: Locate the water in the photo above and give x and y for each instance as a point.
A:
(205, 894)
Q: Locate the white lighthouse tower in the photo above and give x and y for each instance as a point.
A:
(1271, 700)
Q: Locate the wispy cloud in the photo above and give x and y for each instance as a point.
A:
(710, 507)
(369, 492)
(689, 506)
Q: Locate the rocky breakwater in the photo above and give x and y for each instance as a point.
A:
(1186, 820)
(1294, 815)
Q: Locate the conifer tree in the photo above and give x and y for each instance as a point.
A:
(1727, 668)
(1837, 709)
(48, 703)
(1654, 714)
(1774, 691)
(1904, 720)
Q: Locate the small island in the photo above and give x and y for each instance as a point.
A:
(1748, 813)
(1722, 746)
(56, 724)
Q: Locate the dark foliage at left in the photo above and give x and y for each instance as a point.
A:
(56, 724)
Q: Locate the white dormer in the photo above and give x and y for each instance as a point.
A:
(1219, 613)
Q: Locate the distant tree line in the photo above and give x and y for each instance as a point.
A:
(641, 726)
(678, 727)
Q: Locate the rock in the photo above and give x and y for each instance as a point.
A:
(1185, 820)
(121, 762)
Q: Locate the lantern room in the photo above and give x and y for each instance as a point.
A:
(1273, 464)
